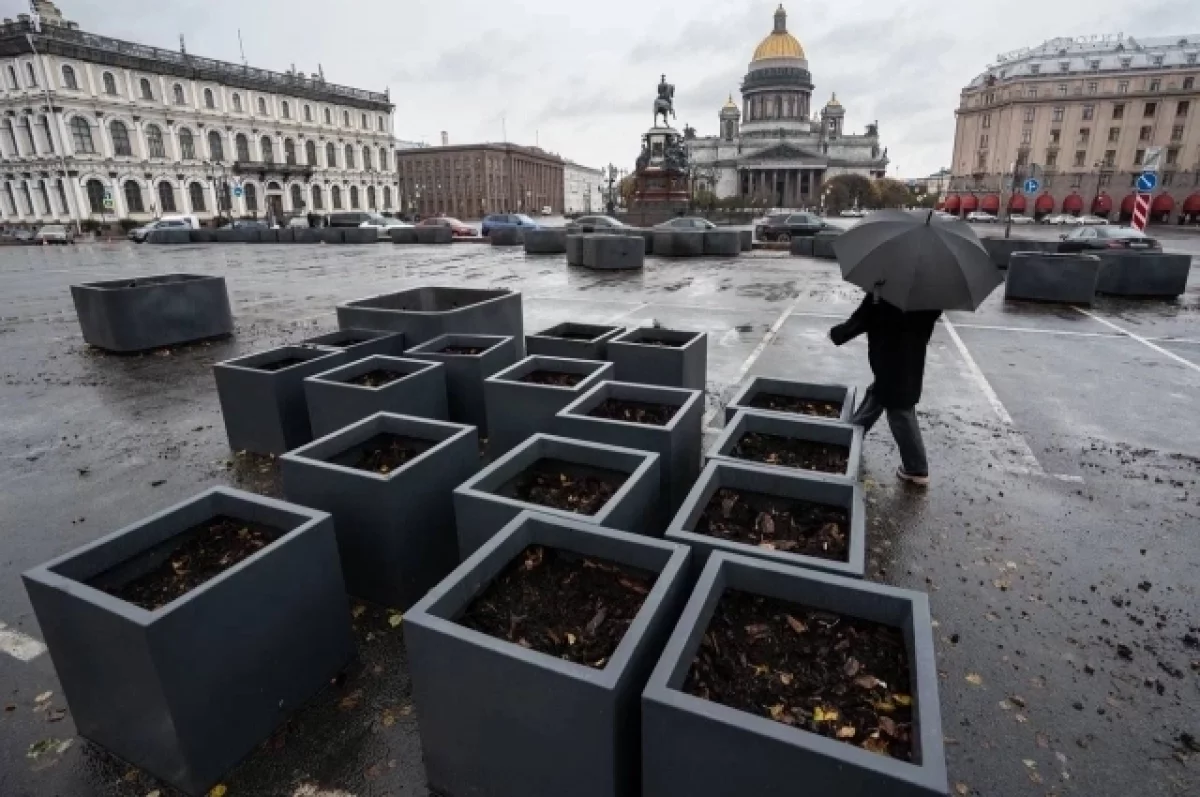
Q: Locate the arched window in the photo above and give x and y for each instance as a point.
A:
(32, 75)
(346, 118)
(331, 155)
(366, 157)
(10, 136)
(308, 113)
(69, 79)
(120, 138)
(166, 197)
(371, 197)
(354, 197)
(209, 100)
(196, 194)
(310, 152)
(335, 194)
(216, 148)
(110, 83)
(224, 198)
(251, 195)
(297, 197)
(154, 141)
(262, 106)
(286, 109)
(47, 138)
(81, 135)
(237, 103)
(387, 198)
(383, 159)
(379, 120)
(187, 145)
(349, 157)
(364, 124)
(268, 152)
(318, 200)
(243, 147)
(13, 84)
(328, 117)
(44, 198)
(177, 92)
(289, 151)
(147, 91)
(27, 129)
(133, 197)
(95, 193)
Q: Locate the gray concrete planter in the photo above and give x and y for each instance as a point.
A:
(1149, 274)
(395, 531)
(679, 243)
(285, 235)
(684, 365)
(775, 483)
(614, 252)
(647, 234)
(1001, 249)
(697, 748)
(818, 431)
(426, 313)
(746, 239)
(237, 235)
(727, 243)
(360, 235)
(334, 403)
(203, 235)
(434, 235)
(823, 245)
(549, 241)
(332, 235)
(516, 409)
(576, 341)
(306, 235)
(169, 236)
(465, 373)
(1044, 277)
(574, 249)
(265, 411)
(801, 246)
(187, 690)
(758, 385)
(485, 503)
(359, 343)
(266, 236)
(492, 714)
(403, 235)
(147, 312)
(506, 236)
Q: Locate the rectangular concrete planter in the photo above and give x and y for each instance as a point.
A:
(187, 690)
(788, 387)
(551, 343)
(516, 409)
(678, 443)
(501, 720)
(403, 235)
(395, 531)
(482, 504)
(286, 235)
(434, 235)
(229, 235)
(775, 482)
(820, 431)
(685, 365)
(613, 252)
(1144, 274)
(169, 236)
(548, 241)
(506, 236)
(722, 242)
(334, 403)
(266, 411)
(823, 245)
(574, 249)
(426, 313)
(360, 235)
(678, 243)
(266, 236)
(306, 235)
(332, 235)
(693, 747)
(1001, 249)
(465, 373)
(142, 313)
(203, 235)
(359, 343)
(801, 246)
(1044, 277)
(746, 240)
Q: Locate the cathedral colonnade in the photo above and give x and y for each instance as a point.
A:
(785, 187)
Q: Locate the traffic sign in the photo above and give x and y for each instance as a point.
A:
(1032, 185)
(108, 202)
(1147, 182)
(237, 191)
(1151, 159)
(1141, 212)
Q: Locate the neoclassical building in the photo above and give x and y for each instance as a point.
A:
(93, 128)
(773, 146)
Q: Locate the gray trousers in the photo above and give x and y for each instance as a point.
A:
(905, 430)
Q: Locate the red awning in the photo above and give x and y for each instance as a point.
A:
(1163, 203)
(941, 205)
(1128, 203)
(952, 203)
(1044, 204)
(1102, 204)
(1073, 204)
(990, 204)
(1016, 203)
(1191, 205)
(970, 203)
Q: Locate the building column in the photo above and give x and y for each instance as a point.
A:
(106, 147)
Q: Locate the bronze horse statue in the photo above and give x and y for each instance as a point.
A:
(665, 102)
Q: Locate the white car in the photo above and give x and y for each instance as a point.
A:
(1018, 218)
(981, 216)
(1063, 219)
(852, 213)
(180, 222)
(1092, 221)
(381, 225)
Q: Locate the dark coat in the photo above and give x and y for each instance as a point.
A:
(896, 343)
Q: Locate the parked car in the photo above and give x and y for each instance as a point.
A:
(980, 216)
(852, 213)
(593, 223)
(506, 220)
(381, 225)
(1022, 219)
(18, 234)
(944, 216)
(1107, 237)
(1092, 220)
(687, 223)
(794, 225)
(138, 234)
(457, 228)
(240, 224)
(763, 225)
(54, 234)
(547, 210)
(1062, 219)
(353, 218)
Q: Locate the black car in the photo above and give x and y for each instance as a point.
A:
(1083, 239)
(774, 220)
(795, 225)
(593, 223)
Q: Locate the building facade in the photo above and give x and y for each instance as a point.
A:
(1080, 115)
(583, 189)
(97, 129)
(773, 147)
(470, 181)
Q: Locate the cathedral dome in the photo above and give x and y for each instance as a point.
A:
(780, 43)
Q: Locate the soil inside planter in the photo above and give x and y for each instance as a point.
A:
(781, 403)
(185, 561)
(792, 452)
(635, 411)
(556, 378)
(279, 365)
(377, 378)
(383, 453)
(469, 350)
(572, 607)
(777, 524)
(830, 674)
(663, 342)
(564, 485)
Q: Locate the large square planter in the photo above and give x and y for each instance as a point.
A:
(775, 485)
(1148, 274)
(332, 235)
(1044, 277)
(692, 747)
(613, 252)
(576, 341)
(169, 236)
(487, 501)
(801, 246)
(429, 234)
(506, 236)
(335, 401)
(147, 312)
(403, 235)
(518, 409)
(722, 242)
(265, 410)
(203, 235)
(306, 235)
(677, 441)
(1001, 249)
(186, 690)
(266, 235)
(466, 371)
(285, 235)
(638, 357)
(823, 245)
(574, 249)
(809, 429)
(546, 241)
(359, 343)
(360, 235)
(755, 396)
(426, 313)
(499, 719)
(746, 240)
(395, 530)
(678, 243)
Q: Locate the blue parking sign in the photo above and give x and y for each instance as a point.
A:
(1032, 186)
(237, 191)
(1147, 182)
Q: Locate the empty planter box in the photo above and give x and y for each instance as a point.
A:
(499, 719)
(147, 312)
(1145, 274)
(467, 360)
(620, 485)
(388, 482)
(426, 313)
(828, 449)
(523, 398)
(262, 397)
(577, 341)
(654, 356)
(341, 396)
(1044, 277)
(359, 343)
(725, 508)
(696, 747)
(791, 398)
(185, 689)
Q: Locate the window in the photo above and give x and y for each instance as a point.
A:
(349, 157)
(1182, 108)
(354, 197)
(1110, 157)
(44, 122)
(32, 77)
(1158, 60)
(1172, 156)
(1055, 137)
(1092, 87)
(27, 129)
(364, 124)
(1149, 110)
(28, 199)
(110, 83)
(69, 79)
(1167, 179)
(297, 197)
(328, 118)
(120, 138)
(237, 103)
(95, 193)
(1057, 115)
(1126, 62)
(154, 142)
(61, 190)
(379, 125)
(1114, 135)
(335, 195)
(1032, 92)
(1077, 179)
(133, 197)
(1089, 111)
(1123, 87)
(371, 197)
(196, 195)
(216, 148)
(262, 106)
(1177, 133)
(318, 201)
(10, 137)
(1119, 111)
(187, 145)
(1145, 133)
(146, 90)
(268, 152)
(242, 144)
(12, 79)
(1062, 89)
(367, 157)
(289, 152)
(1064, 66)
(346, 118)
(310, 152)
(43, 198)
(1191, 59)
(1190, 82)
(987, 121)
(209, 100)
(1079, 157)
(308, 113)
(286, 109)
(330, 155)
(1138, 158)
(177, 93)
(1051, 157)
(387, 196)
(166, 197)
(1035, 69)
(1029, 115)
(81, 136)
(1155, 84)
(1094, 64)
(250, 194)
(1085, 135)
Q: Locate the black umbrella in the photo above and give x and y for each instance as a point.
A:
(916, 261)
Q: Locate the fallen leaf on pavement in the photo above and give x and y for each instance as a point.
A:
(962, 789)
(395, 620)
(975, 679)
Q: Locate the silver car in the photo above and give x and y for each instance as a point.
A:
(54, 234)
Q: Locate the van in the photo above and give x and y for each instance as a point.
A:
(351, 219)
(170, 221)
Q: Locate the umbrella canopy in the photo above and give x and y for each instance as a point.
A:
(915, 261)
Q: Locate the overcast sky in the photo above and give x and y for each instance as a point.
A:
(579, 78)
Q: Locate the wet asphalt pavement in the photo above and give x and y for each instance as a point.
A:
(1059, 544)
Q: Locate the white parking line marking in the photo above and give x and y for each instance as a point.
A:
(1140, 339)
(1066, 332)
(20, 646)
(627, 313)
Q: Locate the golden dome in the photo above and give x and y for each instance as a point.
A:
(729, 105)
(780, 43)
(833, 102)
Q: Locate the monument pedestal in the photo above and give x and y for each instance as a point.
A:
(662, 189)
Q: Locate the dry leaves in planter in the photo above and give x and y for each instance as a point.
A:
(792, 452)
(778, 524)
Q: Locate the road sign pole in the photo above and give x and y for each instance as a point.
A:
(1145, 185)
